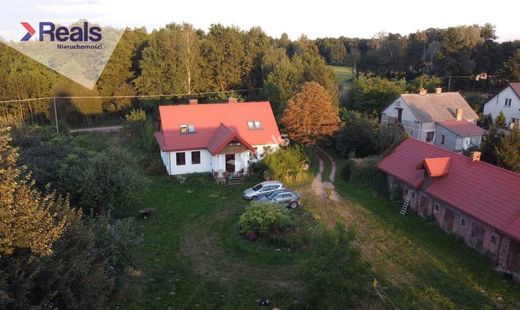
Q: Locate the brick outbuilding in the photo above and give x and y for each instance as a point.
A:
(477, 201)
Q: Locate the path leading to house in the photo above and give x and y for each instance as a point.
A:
(321, 188)
(97, 129)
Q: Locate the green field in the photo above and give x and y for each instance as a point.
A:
(344, 75)
(194, 257)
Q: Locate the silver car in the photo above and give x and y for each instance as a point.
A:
(283, 197)
(262, 189)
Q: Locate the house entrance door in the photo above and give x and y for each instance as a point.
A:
(230, 163)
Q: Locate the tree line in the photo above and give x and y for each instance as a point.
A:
(180, 59)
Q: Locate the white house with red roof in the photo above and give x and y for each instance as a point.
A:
(506, 101)
(217, 137)
(442, 118)
(477, 201)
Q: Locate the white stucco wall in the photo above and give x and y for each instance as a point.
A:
(497, 104)
(204, 166)
(209, 163)
(408, 120)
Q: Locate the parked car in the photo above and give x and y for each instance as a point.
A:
(262, 189)
(283, 197)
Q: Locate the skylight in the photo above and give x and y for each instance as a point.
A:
(254, 124)
(187, 128)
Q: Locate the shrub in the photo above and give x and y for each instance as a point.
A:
(364, 171)
(363, 136)
(287, 165)
(138, 124)
(335, 276)
(268, 221)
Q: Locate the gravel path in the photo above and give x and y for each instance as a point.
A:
(325, 190)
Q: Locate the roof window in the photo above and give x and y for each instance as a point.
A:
(187, 128)
(254, 125)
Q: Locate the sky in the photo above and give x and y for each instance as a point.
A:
(317, 18)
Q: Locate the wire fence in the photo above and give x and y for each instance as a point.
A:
(75, 112)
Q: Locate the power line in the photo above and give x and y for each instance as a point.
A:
(129, 96)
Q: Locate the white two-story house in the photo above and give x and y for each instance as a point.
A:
(445, 119)
(508, 102)
(216, 137)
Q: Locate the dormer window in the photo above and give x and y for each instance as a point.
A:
(187, 128)
(252, 125)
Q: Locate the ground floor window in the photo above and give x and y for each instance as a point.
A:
(195, 157)
(180, 158)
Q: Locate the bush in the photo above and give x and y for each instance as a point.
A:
(287, 165)
(258, 169)
(138, 124)
(364, 171)
(267, 221)
(99, 181)
(362, 136)
(335, 276)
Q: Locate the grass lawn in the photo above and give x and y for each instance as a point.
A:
(193, 256)
(418, 265)
(344, 75)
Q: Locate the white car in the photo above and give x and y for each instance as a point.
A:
(260, 190)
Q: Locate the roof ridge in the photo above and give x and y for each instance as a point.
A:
(467, 157)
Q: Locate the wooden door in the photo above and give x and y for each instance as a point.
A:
(448, 219)
(230, 163)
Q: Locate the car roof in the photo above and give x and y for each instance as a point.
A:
(280, 191)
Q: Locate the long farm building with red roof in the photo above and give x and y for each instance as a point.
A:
(477, 201)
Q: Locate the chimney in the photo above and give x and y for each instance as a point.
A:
(475, 156)
(194, 101)
(232, 100)
(438, 90)
(458, 113)
(423, 92)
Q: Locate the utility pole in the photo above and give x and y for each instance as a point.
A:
(56, 115)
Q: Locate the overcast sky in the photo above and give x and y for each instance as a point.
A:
(317, 18)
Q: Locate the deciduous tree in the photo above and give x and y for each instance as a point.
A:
(310, 114)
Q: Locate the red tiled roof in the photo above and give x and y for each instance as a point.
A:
(436, 167)
(516, 88)
(207, 119)
(221, 138)
(486, 192)
(463, 128)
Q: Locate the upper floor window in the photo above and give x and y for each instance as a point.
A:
(254, 125)
(443, 137)
(187, 128)
(507, 103)
(429, 136)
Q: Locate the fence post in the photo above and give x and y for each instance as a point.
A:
(56, 115)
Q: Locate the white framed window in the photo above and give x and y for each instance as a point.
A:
(507, 102)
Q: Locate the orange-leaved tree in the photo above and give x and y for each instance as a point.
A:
(310, 114)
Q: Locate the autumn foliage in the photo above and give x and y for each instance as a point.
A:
(310, 114)
(28, 218)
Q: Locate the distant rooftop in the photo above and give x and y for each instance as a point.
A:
(434, 107)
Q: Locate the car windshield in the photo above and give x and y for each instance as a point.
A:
(257, 187)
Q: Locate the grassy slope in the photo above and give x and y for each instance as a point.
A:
(420, 265)
(193, 257)
(344, 75)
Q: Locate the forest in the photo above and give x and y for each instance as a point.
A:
(181, 62)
